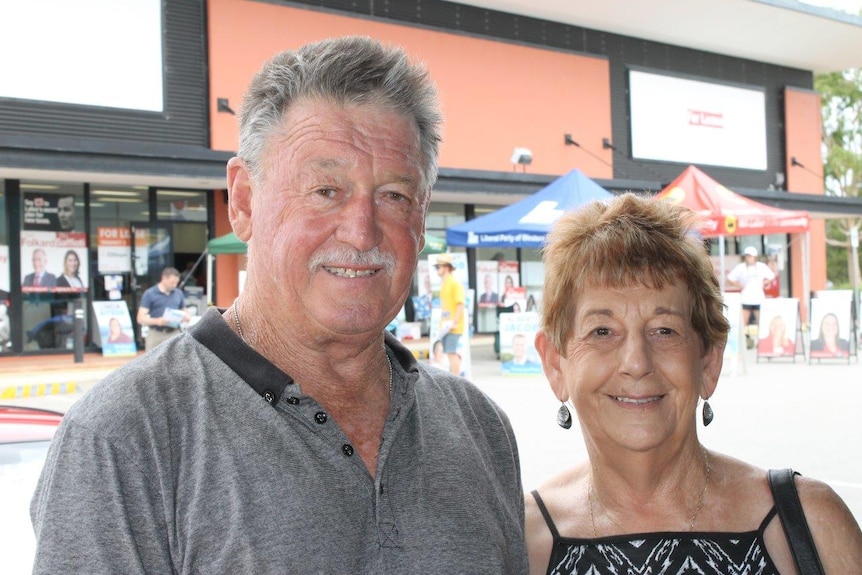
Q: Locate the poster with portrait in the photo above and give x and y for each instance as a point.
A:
(423, 301)
(487, 278)
(778, 328)
(116, 333)
(510, 279)
(54, 262)
(534, 300)
(518, 355)
(49, 212)
(830, 328)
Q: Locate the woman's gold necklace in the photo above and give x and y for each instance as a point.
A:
(242, 337)
(690, 523)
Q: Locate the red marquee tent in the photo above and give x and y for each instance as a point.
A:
(726, 213)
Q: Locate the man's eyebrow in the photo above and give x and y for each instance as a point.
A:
(326, 163)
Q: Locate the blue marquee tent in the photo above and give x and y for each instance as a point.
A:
(524, 224)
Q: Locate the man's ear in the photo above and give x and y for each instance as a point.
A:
(551, 365)
(239, 187)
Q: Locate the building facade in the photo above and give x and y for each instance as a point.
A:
(140, 161)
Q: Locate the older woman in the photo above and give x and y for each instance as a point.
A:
(632, 333)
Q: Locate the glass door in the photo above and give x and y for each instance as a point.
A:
(152, 251)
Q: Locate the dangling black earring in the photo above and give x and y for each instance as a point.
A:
(708, 414)
(564, 418)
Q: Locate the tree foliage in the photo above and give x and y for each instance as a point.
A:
(841, 109)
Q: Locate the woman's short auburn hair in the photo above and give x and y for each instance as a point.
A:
(626, 242)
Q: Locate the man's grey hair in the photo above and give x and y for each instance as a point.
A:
(351, 69)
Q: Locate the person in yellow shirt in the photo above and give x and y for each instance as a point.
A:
(452, 305)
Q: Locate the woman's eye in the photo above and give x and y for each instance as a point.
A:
(602, 331)
(326, 192)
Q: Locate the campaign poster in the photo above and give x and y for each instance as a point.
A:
(509, 281)
(518, 353)
(778, 327)
(422, 303)
(49, 212)
(115, 333)
(54, 262)
(114, 246)
(5, 283)
(487, 276)
(515, 299)
(830, 328)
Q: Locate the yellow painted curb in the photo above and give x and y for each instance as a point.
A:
(37, 390)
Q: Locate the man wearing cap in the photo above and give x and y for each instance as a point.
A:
(452, 305)
(751, 276)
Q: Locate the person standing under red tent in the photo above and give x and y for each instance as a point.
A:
(750, 276)
(452, 304)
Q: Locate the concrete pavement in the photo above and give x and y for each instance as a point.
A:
(770, 414)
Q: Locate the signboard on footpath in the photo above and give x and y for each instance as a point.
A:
(517, 349)
(115, 334)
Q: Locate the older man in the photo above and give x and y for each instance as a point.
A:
(292, 434)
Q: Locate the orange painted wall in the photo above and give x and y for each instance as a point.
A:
(495, 96)
(803, 133)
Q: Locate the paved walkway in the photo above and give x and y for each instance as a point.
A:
(41, 375)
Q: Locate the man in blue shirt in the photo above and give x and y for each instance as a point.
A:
(156, 301)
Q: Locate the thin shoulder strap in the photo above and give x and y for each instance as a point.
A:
(545, 514)
(783, 486)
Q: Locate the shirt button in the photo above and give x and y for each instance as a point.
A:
(268, 396)
(320, 417)
(347, 449)
(292, 400)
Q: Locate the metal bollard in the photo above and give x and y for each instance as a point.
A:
(79, 333)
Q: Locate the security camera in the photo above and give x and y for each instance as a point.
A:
(522, 156)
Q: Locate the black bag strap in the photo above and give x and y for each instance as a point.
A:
(781, 482)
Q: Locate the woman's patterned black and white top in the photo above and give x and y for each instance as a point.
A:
(665, 553)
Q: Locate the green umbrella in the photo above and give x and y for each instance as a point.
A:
(433, 245)
(226, 244)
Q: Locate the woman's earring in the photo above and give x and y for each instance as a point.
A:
(564, 417)
(708, 414)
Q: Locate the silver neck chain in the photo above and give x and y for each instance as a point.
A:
(690, 523)
(236, 321)
(389, 362)
(242, 337)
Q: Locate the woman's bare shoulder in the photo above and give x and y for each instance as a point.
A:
(836, 532)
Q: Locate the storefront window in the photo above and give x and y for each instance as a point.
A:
(54, 262)
(5, 274)
(113, 210)
(181, 205)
